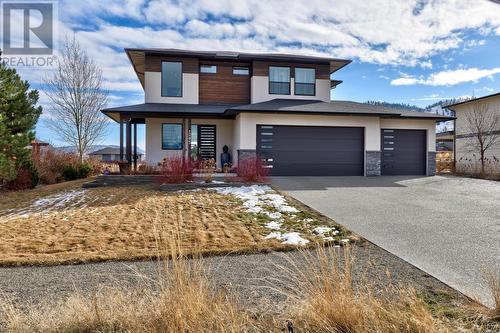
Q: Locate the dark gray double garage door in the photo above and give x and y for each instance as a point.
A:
(315, 150)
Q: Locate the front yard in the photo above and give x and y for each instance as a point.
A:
(65, 223)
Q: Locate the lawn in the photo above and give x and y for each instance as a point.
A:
(65, 223)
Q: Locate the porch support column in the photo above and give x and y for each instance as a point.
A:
(121, 139)
(184, 138)
(129, 141)
(189, 137)
(135, 146)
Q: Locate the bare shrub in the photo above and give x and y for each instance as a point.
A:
(176, 170)
(50, 164)
(472, 167)
(251, 169)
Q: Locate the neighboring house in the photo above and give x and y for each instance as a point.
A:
(274, 106)
(445, 141)
(463, 153)
(111, 154)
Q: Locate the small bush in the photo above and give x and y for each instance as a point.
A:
(70, 172)
(252, 169)
(177, 170)
(84, 170)
(27, 178)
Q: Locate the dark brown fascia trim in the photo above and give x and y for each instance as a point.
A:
(472, 100)
(135, 68)
(347, 62)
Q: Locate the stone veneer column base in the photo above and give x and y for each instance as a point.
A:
(431, 163)
(246, 153)
(373, 161)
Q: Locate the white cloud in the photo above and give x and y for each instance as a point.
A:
(383, 32)
(448, 77)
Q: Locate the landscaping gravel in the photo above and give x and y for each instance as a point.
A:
(250, 275)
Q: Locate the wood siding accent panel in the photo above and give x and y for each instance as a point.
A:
(261, 68)
(189, 65)
(224, 87)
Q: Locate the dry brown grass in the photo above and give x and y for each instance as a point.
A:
(69, 224)
(187, 301)
(326, 299)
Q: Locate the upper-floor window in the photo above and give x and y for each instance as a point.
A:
(171, 79)
(210, 69)
(279, 80)
(305, 81)
(241, 71)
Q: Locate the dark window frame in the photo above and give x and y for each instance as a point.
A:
(161, 74)
(241, 67)
(269, 80)
(211, 65)
(295, 81)
(182, 136)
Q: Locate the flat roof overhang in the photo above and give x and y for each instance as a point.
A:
(139, 112)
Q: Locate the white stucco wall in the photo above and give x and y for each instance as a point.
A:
(154, 153)
(421, 124)
(190, 89)
(464, 146)
(248, 122)
(260, 90)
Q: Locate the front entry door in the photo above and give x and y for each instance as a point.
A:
(206, 142)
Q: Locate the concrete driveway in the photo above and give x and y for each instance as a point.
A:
(447, 226)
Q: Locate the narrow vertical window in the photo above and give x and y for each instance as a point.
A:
(305, 81)
(279, 80)
(171, 79)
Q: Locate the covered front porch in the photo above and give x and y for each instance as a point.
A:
(199, 132)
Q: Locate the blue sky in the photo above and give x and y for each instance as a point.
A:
(415, 52)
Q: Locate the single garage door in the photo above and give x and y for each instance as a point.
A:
(404, 152)
(312, 150)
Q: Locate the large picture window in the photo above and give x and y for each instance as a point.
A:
(171, 79)
(171, 136)
(279, 80)
(305, 81)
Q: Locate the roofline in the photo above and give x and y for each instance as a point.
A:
(236, 55)
(473, 100)
(364, 114)
(231, 112)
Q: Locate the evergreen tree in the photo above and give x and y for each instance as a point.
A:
(18, 116)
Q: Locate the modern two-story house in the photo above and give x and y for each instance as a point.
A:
(274, 106)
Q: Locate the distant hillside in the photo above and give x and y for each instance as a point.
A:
(396, 105)
(72, 149)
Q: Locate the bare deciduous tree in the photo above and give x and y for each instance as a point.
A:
(76, 91)
(482, 124)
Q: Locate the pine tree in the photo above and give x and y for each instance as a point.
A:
(18, 116)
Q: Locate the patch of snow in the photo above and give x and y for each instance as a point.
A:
(345, 240)
(293, 238)
(322, 230)
(290, 238)
(328, 239)
(53, 203)
(274, 215)
(273, 225)
(255, 197)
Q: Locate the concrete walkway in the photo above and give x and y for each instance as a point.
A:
(447, 226)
